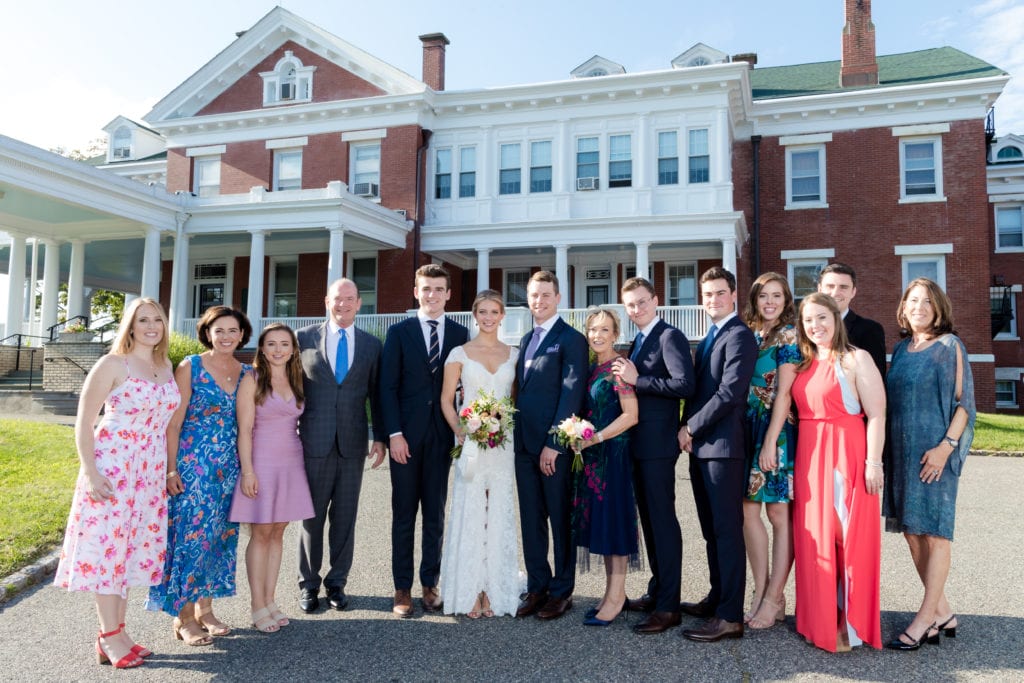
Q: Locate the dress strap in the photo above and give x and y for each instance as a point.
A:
(850, 401)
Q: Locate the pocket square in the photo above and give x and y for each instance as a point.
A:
(552, 349)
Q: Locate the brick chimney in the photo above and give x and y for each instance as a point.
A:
(859, 64)
(433, 59)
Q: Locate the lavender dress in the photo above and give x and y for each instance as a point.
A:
(277, 460)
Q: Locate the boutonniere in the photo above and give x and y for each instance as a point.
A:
(552, 349)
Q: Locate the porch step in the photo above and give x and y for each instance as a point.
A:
(18, 380)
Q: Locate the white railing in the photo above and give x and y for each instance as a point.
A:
(690, 319)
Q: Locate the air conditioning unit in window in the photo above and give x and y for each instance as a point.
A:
(287, 91)
(366, 189)
(586, 184)
(401, 212)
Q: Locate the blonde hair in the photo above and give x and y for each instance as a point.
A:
(124, 342)
(595, 312)
(488, 295)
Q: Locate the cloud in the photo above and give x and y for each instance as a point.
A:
(997, 38)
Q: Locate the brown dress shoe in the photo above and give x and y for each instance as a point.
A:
(704, 609)
(403, 604)
(431, 599)
(644, 603)
(555, 607)
(714, 630)
(656, 622)
(530, 603)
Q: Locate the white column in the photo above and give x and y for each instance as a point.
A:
(15, 286)
(335, 256)
(51, 284)
(76, 281)
(562, 272)
(151, 264)
(729, 255)
(640, 165)
(33, 281)
(721, 167)
(128, 298)
(254, 307)
(179, 281)
(483, 269)
(643, 263)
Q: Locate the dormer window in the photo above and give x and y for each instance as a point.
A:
(289, 82)
(1009, 153)
(121, 143)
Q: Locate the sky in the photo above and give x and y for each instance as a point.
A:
(84, 63)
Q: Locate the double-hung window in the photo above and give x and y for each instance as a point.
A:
(699, 158)
(206, 180)
(620, 161)
(443, 174)
(288, 169)
(540, 166)
(805, 176)
(1010, 228)
(467, 171)
(588, 163)
(668, 158)
(365, 172)
(510, 172)
(921, 162)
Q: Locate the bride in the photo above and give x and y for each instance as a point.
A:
(480, 563)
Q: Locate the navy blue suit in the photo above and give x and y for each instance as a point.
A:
(865, 333)
(716, 419)
(665, 375)
(554, 389)
(410, 399)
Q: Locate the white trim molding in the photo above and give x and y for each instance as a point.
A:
(812, 139)
(209, 150)
(925, 129)
(359, 135)
(788, 254)
(915, 249)
(285, 143)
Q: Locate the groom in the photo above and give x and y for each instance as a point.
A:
(412, 372)
(552, 378)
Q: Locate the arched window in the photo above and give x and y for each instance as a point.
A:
(1009, 153)
(121, 144)
(699, 61)
(289, 82)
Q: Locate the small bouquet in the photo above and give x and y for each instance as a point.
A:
(571, 433)
(487, 422)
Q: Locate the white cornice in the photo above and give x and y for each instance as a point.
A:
(267, 35)
(877, 107)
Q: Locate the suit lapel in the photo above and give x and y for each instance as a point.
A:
(549, 339)
(415, 331)
(321, 348)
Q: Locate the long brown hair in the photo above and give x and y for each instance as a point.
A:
(752, 314)
(124, 342)
(840, 342)
(293, 370)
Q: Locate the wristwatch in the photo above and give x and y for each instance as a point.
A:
(951, 441)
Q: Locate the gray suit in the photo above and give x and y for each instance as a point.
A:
(334, 432)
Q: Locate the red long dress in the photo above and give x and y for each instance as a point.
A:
(836, 522)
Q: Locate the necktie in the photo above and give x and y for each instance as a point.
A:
(637, 343)
(434, 352)
(709, 339)
(531, 348)
(341, 358)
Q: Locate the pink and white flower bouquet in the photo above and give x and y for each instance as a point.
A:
(571, 433)
(487, 422)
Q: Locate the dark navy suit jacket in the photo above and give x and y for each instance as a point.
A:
(867, 334)
(665, 376)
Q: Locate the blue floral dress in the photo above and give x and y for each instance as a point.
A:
(777, 486)
(604, 518)
(201, 542)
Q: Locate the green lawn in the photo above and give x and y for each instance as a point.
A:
(998, 433)
(38, 468)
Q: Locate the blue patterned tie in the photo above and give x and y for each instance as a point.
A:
(341, 358)
(434, 352)
(637, 343)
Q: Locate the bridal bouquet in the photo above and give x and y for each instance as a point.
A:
(571, 433)
(487, 422)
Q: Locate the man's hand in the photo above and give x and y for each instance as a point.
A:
(685, 440)
(399, 449)
(624, 368)
(548, 456)
(377, 453)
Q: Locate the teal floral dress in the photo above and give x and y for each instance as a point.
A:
(201, 542)
(777, 486)
(604, 518)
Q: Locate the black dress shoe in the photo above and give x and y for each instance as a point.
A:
(658, 622)
(530, 603)
(309, 602)
(337, 599)
(645, 603)
(714, 630)
(704, 609)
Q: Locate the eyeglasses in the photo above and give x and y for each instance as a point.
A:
(637, 305)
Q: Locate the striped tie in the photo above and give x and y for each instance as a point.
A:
(434, 352)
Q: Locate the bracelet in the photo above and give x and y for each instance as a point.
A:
(600, 437)
(172, 473)
(872, 463)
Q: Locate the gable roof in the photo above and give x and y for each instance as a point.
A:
(909, 68)
(249, 49)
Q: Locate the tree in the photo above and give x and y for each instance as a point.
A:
(95, 147)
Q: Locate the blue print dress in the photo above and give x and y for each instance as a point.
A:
(604, 518)
(201, 542)
(777, 486)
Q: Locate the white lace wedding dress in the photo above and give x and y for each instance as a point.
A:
(481, 548)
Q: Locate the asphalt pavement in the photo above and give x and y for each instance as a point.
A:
(47, 634)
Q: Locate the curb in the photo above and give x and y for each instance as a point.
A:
(29, 576)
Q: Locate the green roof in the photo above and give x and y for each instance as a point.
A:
(910, 68)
